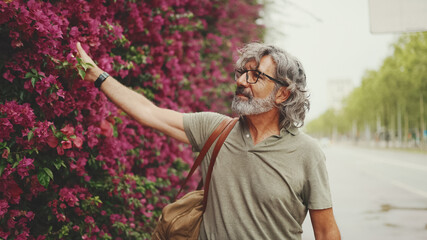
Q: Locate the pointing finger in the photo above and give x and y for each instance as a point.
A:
(79, 48)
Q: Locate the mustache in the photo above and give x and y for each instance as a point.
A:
(241, 91)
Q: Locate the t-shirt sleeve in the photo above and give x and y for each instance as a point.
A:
(318, 192)
(199, 126)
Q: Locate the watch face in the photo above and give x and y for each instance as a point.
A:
(101, 79)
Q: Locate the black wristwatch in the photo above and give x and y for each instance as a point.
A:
(101, 79)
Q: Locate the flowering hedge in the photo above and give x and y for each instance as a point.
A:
(73, 165)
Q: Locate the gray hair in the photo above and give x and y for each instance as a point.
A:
(290, 71)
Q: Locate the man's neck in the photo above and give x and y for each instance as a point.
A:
(264, 125)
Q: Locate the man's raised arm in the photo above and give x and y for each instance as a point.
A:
(136, 105)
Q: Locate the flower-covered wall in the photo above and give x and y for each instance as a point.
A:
(74, 166)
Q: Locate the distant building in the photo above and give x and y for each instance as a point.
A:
(338, 90)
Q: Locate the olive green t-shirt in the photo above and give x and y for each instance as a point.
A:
(259, 191)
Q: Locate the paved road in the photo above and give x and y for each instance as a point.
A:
(377, 194)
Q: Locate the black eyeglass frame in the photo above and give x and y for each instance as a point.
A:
(259, 74)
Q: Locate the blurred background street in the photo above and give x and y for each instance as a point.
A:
(377, 193)
(366, 78)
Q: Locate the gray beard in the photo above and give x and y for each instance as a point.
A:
(253, 106)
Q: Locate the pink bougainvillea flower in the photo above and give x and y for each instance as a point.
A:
(45, 83)
(11, 222)
(106, 128)
(77, 141)
(3, 207)
(60, 93)
(36, 187)
(79, 166)
(30, 215)
(87, 178)
(66, 144)
(60, 150)
(78, 211)
(23, 236)
(5, 153)
(52, 141)
(148, 214)
(4, 235)
(13, 193)
(8, 76)
(24, 165)
(74, 31)
(61, 217)
(17, 43)
(68, 130)
(89, 220)
(18, 114)
(111, 119)
(69, 195)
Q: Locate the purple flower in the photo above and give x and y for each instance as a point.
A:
(6, 128)
(24, 165)
(89, 220)
(67, 195)
(8, 76)
(3, 207)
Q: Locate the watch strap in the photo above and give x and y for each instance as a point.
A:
(101, 79)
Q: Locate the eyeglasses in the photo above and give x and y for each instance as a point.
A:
(252, 76)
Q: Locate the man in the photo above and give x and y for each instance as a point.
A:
(268, 174)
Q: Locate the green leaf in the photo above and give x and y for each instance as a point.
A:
(30, 135)
(28, 75)
(15, 164)
(91, 161)
(34, 71)
(115, 132)
(48, 172)
(82, 73)
(3, 165)
(64, 231)
(43, 178)
(33, 81)
(34, 150)
(57, 164)
(87, 65)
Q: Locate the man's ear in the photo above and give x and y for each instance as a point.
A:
(282, 95)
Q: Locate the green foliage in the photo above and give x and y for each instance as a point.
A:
(393, 91)
(82, 67)
(34, 76)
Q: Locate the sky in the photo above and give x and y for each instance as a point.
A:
(331, 38)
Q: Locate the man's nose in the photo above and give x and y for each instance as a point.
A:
(241, 81)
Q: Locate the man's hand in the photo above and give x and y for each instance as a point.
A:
(92, 73)
(134, 104)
